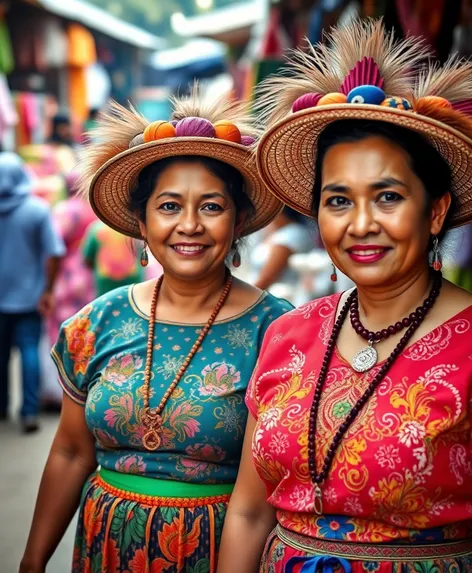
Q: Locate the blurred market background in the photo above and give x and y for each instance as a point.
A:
(60, 63)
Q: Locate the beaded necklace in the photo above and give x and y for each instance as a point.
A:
(319, 477)
(152, 417)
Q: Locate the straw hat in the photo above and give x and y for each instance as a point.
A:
(125, 143)
(362, 72)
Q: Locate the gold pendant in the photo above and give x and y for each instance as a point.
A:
(152, 422)
(318, 501)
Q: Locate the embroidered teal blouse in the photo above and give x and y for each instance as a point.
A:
(100, 356)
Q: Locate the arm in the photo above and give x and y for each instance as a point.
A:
(90, 247)
(46, 302)
(276, 264)
(250, 518)
(53, 248)
(70, 462)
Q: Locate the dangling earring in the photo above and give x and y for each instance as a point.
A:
(437, 263)
(144, 255)
(236, 260)
(334, 275)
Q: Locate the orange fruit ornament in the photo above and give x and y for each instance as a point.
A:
(158, 130)
(435, 100)
(228, 131)
(332, 98)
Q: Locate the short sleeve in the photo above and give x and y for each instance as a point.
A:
(252, 401)
(274, 308)
(90, 245)
(73, 352)
(51, 242)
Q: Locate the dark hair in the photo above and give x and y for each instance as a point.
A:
(293, 215)
(231, 177)
(426, 162)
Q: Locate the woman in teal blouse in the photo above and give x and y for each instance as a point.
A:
(154, 374)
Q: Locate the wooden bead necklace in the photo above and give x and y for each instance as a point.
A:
(319, 477)
(152, 417)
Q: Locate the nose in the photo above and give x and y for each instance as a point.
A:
(363, 220)
(189, 222)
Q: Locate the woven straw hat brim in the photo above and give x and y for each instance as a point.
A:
(110, 188)
(287, 151)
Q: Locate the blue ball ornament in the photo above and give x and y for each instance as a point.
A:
(366, 95)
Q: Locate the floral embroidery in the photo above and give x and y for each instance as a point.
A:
(388, 456)
(121, 367)
(80, 341)
(404, 464)
(128, 329)
(334, 527)
(131, 464)
(101, 354)
(239, 337)
(279, 443)
(218, 379)
(170, 366)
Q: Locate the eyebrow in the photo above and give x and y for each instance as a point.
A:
(380, 184)
(175, 195)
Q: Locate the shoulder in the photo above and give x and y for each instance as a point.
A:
(104, 309)
(39, 207)
(274, 305)
(311, 313)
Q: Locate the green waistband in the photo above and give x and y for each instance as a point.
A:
(162, 488)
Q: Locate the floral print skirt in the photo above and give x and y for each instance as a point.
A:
(287, 552)
(129, 533)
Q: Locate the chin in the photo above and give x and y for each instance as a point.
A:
(370, 277)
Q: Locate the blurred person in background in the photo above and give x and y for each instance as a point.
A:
(269, 259)
(112, 257)
(74, 287)
(460, 272)
(30, 255)
(154, 374)
(61, 143)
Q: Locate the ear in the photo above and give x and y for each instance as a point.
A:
(142, 228)
(439, 211)
(239, 225)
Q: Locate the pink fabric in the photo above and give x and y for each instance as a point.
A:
(74, 285)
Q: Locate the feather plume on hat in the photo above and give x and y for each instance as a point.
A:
(118, 126)
(124, 143)
(363, 73)
(327, 65)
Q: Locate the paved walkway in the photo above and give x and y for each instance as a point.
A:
(22, 460)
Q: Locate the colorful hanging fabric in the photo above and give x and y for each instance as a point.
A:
(7, 62)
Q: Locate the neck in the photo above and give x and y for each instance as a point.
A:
(192, 295)
(383, 306)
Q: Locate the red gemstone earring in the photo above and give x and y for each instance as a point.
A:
(334, 275)
(236, 260)
(144, 255)
(436, 262)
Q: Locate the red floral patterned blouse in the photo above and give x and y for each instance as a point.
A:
(403, 470)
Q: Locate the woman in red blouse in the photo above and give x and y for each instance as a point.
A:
(358, 452)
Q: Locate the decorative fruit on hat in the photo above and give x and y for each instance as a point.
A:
(362, 72)
(228, 131)
(125, 142)
(158, 130)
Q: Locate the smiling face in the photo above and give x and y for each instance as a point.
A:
(374, 216)
(190, 221)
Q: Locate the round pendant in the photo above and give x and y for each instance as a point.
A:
(152, 440)
(365, 359)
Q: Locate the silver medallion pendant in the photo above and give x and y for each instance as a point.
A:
(365, 359)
